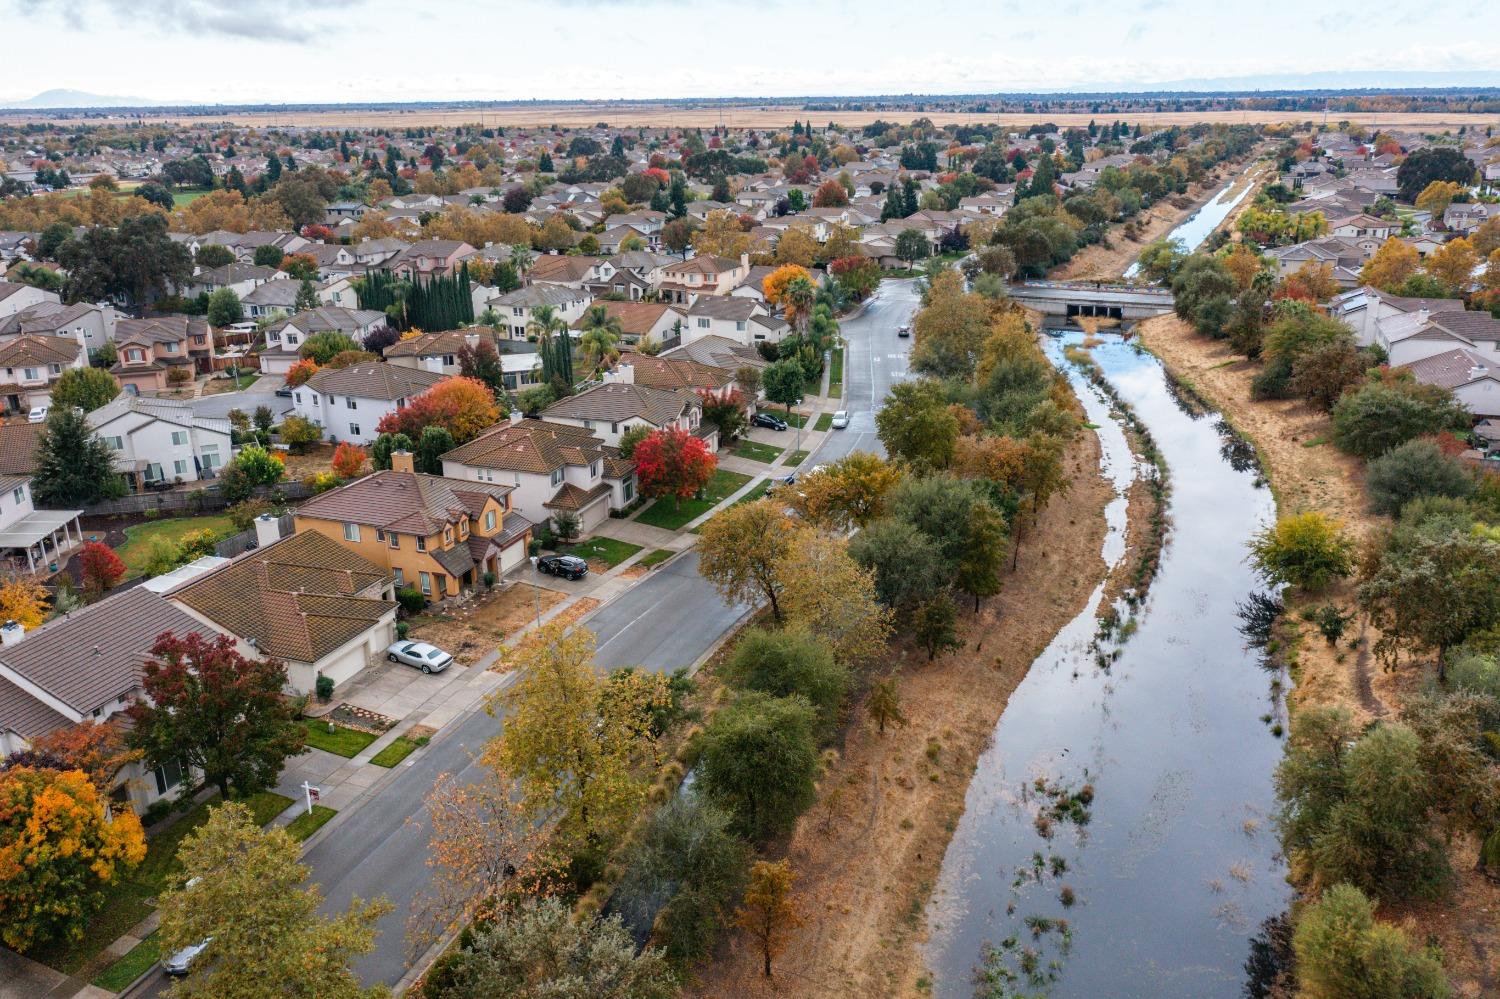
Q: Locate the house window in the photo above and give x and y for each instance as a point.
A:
(291, 339)
(171, 348)
(629, 490)
(210, 457)
(703, 323)
(400, 576)
(350, 403)
(31, 374)
(179, 467)
(115, 443)
(351, 532)
(19, 494)
(463, 528)
(179, 438)
(379, 534)
(442, 583)
(56, 369)
(421, 542)
(557, 477)
(400, 403)
(447, 536)
(354, 430)
(426, 583)
(394, 539)
(168, 776)
(489, 519)
(595, 468)
(134, 355)
(297, 398)
(449, 360)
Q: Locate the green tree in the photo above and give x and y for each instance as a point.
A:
(307, 297)
(760, 762)
(86, 388)
(74, 467)
(322, 347)
(942, 508)
(380, 451)
(783, 663)
(983, 559)
(1202, 289)
(213, 255)
(136, 260)
(907, 565)
(1308, 550)
(538, 950)
(1374, 418)
(268, 255)
(912, 246)
(212, 709)
(1344, 953)
(433, 444)
(254, 466)
(1411, 471)
(299, 433)
(243, 887)
(916, 426)
(224, 307)
(935, 625)
(783, 382)
(739, 551)
(884, 703)
(950, 329)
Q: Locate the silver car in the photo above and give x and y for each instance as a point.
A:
(841, 419)
(425, 657)
(179, 963)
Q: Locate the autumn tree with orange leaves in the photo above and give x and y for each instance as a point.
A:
(101, 568)
(60, 846)
(349, 460)
(298, 374)
(464, 407)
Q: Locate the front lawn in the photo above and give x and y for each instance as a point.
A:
(756, 451)
(136, 551)
(825, 422)
(610, 551)
(346, 742)
(673, 515)
(306, 823)
(397, 751)
(756, 493)
(133, 965)
(836, 374)
(266, 805)
(796, 458)
(656, 558)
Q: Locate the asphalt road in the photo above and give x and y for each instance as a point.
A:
(669, 619)
(260, 393)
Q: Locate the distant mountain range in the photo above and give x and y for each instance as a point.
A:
(80, 99)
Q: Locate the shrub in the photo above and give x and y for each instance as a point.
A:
(783, 663)
(1374, 418)
(242, 514)
(1274, 380)
(411, 599)
(1343, 953)
(179, 375)
(300, 434)
(324, 687)
(320, 482)
(1411, 471)
(759, 762)
(402, 628)
(1307, 550)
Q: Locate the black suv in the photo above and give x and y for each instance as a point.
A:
(567, 566)
(768, 421)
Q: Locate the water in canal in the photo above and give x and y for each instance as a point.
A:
(1116, 839)
(1200, 225)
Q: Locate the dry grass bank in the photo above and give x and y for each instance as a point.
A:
(1307, 473)
(869, 851)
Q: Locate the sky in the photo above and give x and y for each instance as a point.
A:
(306, 51)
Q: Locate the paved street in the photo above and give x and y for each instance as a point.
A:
(260, 393)
(669, 619)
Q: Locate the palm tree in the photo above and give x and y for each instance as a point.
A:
(545, 321)
(601, 333)
(798, 298)
(521, 258)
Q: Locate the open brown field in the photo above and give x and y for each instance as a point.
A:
(769, 115)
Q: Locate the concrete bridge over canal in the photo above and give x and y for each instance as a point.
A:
(1092, 298)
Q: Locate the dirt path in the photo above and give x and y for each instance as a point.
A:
(869, 852)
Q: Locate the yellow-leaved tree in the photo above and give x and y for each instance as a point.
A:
(1454, 263)
(1392, 264)
(23, 601)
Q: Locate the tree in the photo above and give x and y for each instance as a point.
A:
(912, 246)
(1307, 550)
(538, 950)
(1391, 265)
(1422, 167)
(847, 493)
(435, 442)
(299, 433)
(857, 276)
(884, 704)
(214, 255)
(950, 330)
(907, 566)
(1344, 953)
(60, 847)
(462, 406)
(74, 467)
(760, 762)
(1453, 264)
(830, 194)
(775, 284)
(298, 374)
(1323, 373)
(797, 247)
(934, 625)
(832, 596)
(101, 568)
(674, 463)
(740, 548)
(1376, 417)
(574, 741)
(916, 426)
(1411, 471)
(136, 260)
(87, 388)
(243, 886)
(224, 307)
(23, 601)
(769, 913)
(349, 460)
(268, 255)
(985, 547)
(307, 296)
(793, 661)
(783, 382)
(320, 348)
(600, 336)
(1202, 290)
(209, 707)
(380, 451)
(1437, 196)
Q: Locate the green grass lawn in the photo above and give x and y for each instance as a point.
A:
(181, 199)
(130, 967)
(396, 751)
(610, 551)
(672, 515)
(346, 742)
(795, 458)
(793, 419)
(136, 551)
(656, 558)
(825, 422)
(755, 493)
(756, 451)
(266, 805)
(836, 374)
(307, 823)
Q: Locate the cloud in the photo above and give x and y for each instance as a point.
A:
(250, 20)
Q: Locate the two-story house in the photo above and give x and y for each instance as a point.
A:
(92, 325)
(31, 365)
(431, 258)
(686, 281)
(238, 278)
(15, 297)
(348, 403)
(442, 353)
(553, 467)
(162, 440)
(619, 405)
(742, 319)
(516, 309)
(146, 349)
(437, 534)
(641, 321)
(285, 337)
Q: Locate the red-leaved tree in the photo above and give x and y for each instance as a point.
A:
(464, 407)
(673, 463)
(348, 460)
(298, 374)
(100, 566)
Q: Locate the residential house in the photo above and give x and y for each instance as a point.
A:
(93, 325)
(31, 365)
(516, 309)
(1365, 231)
(640, 321)
(156, 440)
(439, 535)
(1416, 335)
(348, 403)
(33, 540)
(279, 298)
(520, 365)
(1465, 218)
(431, 258)
(686, 281)
(570, 271)
(1366, 308)
(15, 297)
(554, 468)
(147, 349)
(718, 351)
(373, 253)
(1472, 377)
(238, 278)
(745, 320)
(285, 337)
(619, 405)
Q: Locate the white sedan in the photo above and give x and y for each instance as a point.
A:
(841, 419)
(421, 655)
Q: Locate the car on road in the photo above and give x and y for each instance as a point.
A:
(775, 485)
(284, 393)
(769, 421)
(419, 655)
(38, 414)
(567, 566)
(905, 330)
(840, 419)
(181, 962)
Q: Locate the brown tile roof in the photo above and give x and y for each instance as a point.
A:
(571, 497)
(18, 448)
(39, 351)
(408, 502)
(636, 318)
(374, 381)
(676, 373)
(618, 401)
(94, 655)
(457, 560)
(562, 268)
(529, 446)
(25, 715)
(297, 599)
(445, 342)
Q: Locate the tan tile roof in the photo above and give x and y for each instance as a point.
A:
(676, 373)
(38, 350)
(571, 497)
(408, 502)
(374, 381)
(18, 448)
(636, 318)
(618, 401)
(296, 599)
(529, 446)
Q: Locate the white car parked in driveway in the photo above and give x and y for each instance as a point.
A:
(421, 655)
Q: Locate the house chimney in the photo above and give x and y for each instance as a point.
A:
(623, 373)
(11, 633)
(745, 261)
(1423, 314)
(401, 461)
(516, 416)
(267, 530)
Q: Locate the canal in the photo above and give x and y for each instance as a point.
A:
(1196, 229)
(1117, 837)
